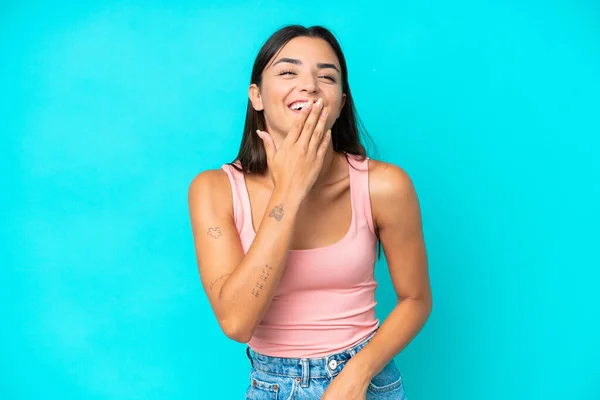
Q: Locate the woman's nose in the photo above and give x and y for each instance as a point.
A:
(309, 84)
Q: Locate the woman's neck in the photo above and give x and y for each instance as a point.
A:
(330, 169)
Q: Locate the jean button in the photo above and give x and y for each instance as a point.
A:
(333, 364)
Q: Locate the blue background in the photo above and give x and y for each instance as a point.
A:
(109, 109)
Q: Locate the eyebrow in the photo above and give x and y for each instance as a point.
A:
(298, 62)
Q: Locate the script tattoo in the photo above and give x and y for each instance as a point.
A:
(277, 212)
(215, 232)
(264, 275)
(217, 280)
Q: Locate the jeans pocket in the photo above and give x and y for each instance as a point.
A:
(264, 386)
(387, 380)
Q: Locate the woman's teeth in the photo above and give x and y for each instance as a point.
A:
(299, 105)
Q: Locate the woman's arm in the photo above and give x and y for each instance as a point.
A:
(239, 288)
(397, 215)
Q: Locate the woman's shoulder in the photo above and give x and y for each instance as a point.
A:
(209, 178)
(388, 181)
(210, 185)
(386, 170)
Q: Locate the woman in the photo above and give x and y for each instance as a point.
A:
(286, 235)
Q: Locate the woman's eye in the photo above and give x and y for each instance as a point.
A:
(329, 77)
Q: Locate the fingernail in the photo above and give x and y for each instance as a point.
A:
(319, 102)
(258, 132)
(309, 105)
(325, 112)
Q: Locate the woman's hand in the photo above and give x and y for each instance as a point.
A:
(348, 385)
(295, 166)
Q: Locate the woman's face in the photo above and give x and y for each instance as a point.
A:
(304, 69)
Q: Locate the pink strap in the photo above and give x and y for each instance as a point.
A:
(236, 179)
(359, 175)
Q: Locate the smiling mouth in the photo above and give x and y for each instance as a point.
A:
(299, 105)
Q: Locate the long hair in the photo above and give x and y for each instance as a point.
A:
(347, 130)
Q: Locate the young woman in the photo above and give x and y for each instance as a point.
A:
(286, 235)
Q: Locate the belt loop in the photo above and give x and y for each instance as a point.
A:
(305, 372)
(249, 357)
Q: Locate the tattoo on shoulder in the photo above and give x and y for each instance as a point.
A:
(217, 280)
(277, 212)
(264, 275)
(215, 232)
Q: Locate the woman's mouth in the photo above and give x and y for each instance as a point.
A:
(297, 106)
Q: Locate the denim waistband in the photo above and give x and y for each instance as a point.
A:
(305, 368)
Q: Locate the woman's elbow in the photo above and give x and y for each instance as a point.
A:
(235, 330)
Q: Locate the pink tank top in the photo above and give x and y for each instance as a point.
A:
(326, 298)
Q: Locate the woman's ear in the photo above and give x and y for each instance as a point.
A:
(342, 104)
(254, 96)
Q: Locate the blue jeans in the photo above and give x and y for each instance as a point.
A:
(275, 378)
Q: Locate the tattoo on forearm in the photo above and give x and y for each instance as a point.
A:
(217, 280)
(277, 212)
(215, 232)
(264, 275)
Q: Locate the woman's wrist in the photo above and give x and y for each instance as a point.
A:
(290, 198)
